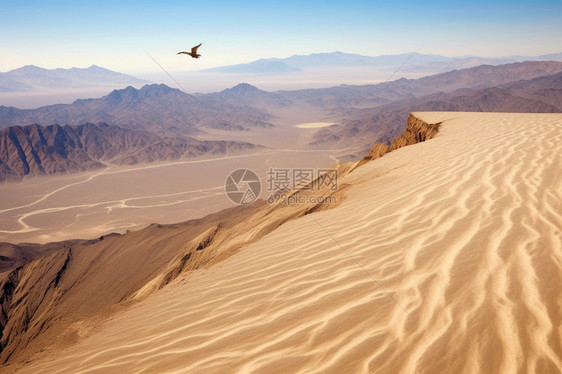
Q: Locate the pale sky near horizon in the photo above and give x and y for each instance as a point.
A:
(117, 34)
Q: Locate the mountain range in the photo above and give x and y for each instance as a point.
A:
(374, 113)
(345, 97)
(540, 94)
(31, 77)
(157, 123)
(55, 149)
(413, 62)
(156, 107)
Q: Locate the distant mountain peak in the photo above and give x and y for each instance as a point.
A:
(243, 90)
(158, 87)
(31, 77)
(244, 87)
(427, 63)
(128, 94)
(26, 69)
(131, 93)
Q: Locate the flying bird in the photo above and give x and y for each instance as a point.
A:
(193, 52)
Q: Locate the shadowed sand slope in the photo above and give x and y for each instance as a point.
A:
(445, 257)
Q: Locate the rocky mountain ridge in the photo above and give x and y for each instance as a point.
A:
(45, 150)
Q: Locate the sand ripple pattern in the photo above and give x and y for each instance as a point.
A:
(464, 231)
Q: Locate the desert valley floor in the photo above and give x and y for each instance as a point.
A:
(444, 257)
(118, 198)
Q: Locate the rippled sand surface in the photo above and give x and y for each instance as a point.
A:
(445, 257)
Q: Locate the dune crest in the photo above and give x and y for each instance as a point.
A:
(463, 232)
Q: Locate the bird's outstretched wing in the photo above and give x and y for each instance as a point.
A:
(194, 49)
(179, 53)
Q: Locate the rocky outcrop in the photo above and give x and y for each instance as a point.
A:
(13, 256)
(26, 296)
(7, 287)
(417, 131)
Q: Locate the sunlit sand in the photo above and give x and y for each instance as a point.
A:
(463, 231)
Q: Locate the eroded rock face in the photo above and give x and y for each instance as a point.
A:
(417, 131)
(25, 295)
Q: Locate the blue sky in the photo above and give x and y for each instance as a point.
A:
(116, 34)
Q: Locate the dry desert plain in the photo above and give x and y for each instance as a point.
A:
(444, 257)
(120, 198)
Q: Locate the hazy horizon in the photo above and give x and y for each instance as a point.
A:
(353, 72)
(158, 70)
(118, 36)
(197, 82)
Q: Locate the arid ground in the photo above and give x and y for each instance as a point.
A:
(445, 256)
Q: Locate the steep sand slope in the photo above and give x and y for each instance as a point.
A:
(463, 232)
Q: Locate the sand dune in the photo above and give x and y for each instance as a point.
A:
(445, 257)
